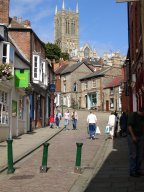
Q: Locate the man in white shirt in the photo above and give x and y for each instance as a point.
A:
(92, 120)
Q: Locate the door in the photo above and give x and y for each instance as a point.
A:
(107, 105)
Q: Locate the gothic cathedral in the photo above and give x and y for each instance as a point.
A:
(67, 29)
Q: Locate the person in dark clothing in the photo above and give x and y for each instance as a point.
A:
(116, 124)
(135, 142)
(123, 124)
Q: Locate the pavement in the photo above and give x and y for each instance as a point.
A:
(26, 144)
(104, 162)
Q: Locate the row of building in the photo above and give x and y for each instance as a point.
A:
(26, 77)
(133, 95)
(91, 84)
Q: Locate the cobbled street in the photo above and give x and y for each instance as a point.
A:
(61, 160)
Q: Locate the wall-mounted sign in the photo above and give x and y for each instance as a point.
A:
(52, 87)
(22, 77)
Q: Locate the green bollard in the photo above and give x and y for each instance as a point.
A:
(44, 168)
(77, 168)
(11, 169)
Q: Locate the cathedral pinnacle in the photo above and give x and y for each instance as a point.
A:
(63, 5)
(77, 9)
(56, 10)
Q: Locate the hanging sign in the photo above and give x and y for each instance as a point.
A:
(22, 77)
(52, 87)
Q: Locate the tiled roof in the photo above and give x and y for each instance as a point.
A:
(60, 69)
(73, 67)
(96, 74)
(115, 82)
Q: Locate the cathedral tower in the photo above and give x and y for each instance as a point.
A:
(67, 29)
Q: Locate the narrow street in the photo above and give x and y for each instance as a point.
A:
(61, 161)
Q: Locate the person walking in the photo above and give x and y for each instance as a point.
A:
(66, 119)
(74, 117)
(58, 117)
(135, 142)
(111, 124)
(92, 120)
(123, 125)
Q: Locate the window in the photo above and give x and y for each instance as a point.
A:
(4, 108)
(111, 91)
(86, 85)
(93, 83)
(64, 88)
(43, 72)
(74, 87)
(86, 52)
(21, 108)
(36, 67)
(8, 53)
(111, 102)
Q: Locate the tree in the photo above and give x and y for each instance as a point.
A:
(52, 51)
(65, 56)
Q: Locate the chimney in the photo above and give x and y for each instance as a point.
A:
(27, 23)
(4, 12)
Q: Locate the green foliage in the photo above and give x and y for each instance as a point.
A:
(54, 52)
(65, 56)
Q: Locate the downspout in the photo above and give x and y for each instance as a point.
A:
(31, 94)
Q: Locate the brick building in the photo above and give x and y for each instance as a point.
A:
(134, 85)
(41, 72)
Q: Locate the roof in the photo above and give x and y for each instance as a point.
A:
(98, 73)
(60, 69)
(115, 82)
(73, 67)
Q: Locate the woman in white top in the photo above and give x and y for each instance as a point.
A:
(111, 123)
(74, 117)
(66, 119)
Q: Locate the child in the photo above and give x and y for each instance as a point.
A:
(51, 121)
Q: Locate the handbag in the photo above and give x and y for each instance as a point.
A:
(88, 130)
(98, 130)
(107, 129)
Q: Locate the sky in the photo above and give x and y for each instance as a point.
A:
(102, 23)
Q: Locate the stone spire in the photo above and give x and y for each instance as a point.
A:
(77, 9)
(63, 5)
(56, 10)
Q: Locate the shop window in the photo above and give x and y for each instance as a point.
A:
(4, 108)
